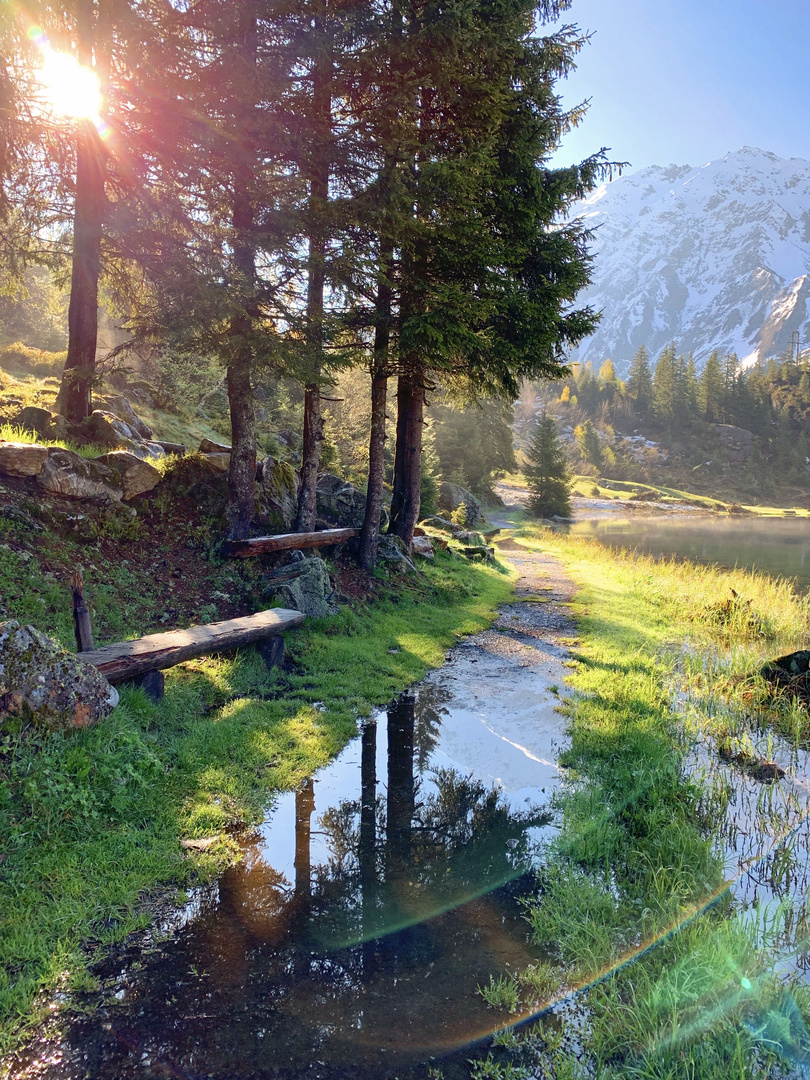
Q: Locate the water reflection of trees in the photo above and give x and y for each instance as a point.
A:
(435, 840)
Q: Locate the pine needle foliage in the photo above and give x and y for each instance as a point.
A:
(547, 476)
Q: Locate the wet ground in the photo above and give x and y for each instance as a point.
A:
(352, 937)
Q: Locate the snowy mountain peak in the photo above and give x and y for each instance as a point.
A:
(713, 256)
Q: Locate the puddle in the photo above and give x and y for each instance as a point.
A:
(765, 840)
(351, 938)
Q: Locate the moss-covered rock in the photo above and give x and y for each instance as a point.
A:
(276, 494)
(41, 681)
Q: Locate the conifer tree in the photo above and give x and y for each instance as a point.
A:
(665, 386)
(710, 388)
(639, 387)
(547, 475)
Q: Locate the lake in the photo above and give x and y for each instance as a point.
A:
(779, 546)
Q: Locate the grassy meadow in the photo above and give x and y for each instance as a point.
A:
(653, 969)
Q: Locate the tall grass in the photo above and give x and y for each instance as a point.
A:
(631, 900)
(14, 433)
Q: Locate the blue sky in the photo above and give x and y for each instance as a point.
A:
(685, 82)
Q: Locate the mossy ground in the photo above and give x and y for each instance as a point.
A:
(90, 823)
(656, 971)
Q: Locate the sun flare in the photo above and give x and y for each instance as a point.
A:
(69, 89)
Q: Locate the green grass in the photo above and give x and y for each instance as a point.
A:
(12, 433)
(632, 907)
(90, 823)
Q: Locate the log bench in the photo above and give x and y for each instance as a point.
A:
(244, 549)
(142, 661)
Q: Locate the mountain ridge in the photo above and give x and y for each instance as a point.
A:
(712, 256)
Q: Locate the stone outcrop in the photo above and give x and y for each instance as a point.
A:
(277, 494)
(135, 475)
(41, 681)
(208, 446)
(422, 546)
(41, 422)
(341, 504)
(121, 408)
(738, 443)
(310, 590)
(451, 496)
(67, 473)
(443, 524)
(220, 463)
(21, 459)
(392, 551)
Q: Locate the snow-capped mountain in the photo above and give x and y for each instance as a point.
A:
(711, 257)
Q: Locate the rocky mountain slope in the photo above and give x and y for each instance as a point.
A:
(709, 257)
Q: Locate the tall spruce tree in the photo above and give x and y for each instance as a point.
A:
(639, 386)
(486, 285)
(547, 474)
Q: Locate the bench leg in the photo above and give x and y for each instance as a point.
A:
(152, 684)
(272, 652)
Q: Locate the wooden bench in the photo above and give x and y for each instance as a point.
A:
(244, 549)
(144, 659)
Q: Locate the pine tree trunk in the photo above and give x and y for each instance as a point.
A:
(408, 459)
(318, 195)
(75, 393)
(370, 536)
(242, 469)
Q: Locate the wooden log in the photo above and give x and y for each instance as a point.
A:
(127, 660)
(244, 549)
(82, 626)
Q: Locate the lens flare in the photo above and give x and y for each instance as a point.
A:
(68, 88)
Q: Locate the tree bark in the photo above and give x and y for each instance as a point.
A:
(316, 279)
(379, 394)
(242, 469)
(74, 400)
(408, 457)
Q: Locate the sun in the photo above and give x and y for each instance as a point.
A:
(68, 88)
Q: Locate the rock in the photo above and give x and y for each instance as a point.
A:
(340, 503)
(479, 551)
(22, 459)
(121, 408)
(393, 551)
(218, 462)
(41, 422)
(436, 522)
(737, 442)
(69, 474)
(277, 494)
(172, 448)
(106, 429)
(451, 496)
(422, 546)
(41, 680)
(311, 591)
(135, 475)
(208, 446)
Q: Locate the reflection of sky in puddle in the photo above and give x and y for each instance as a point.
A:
(509, 740)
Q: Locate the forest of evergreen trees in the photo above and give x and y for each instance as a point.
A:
(293, 191)
(691, 418)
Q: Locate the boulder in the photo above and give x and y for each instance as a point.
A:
(443, 524)
(121, 408)
(422, 547)
(737, 442)
(135, 475)
(276, 494)
(21, 459)
(69, 474)
(44, 682)
(451, 496)
(41, 422)
(310, 591)
(218, 462)
(392, 550)
(106, 429)
(340, 502)
(208, 446)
